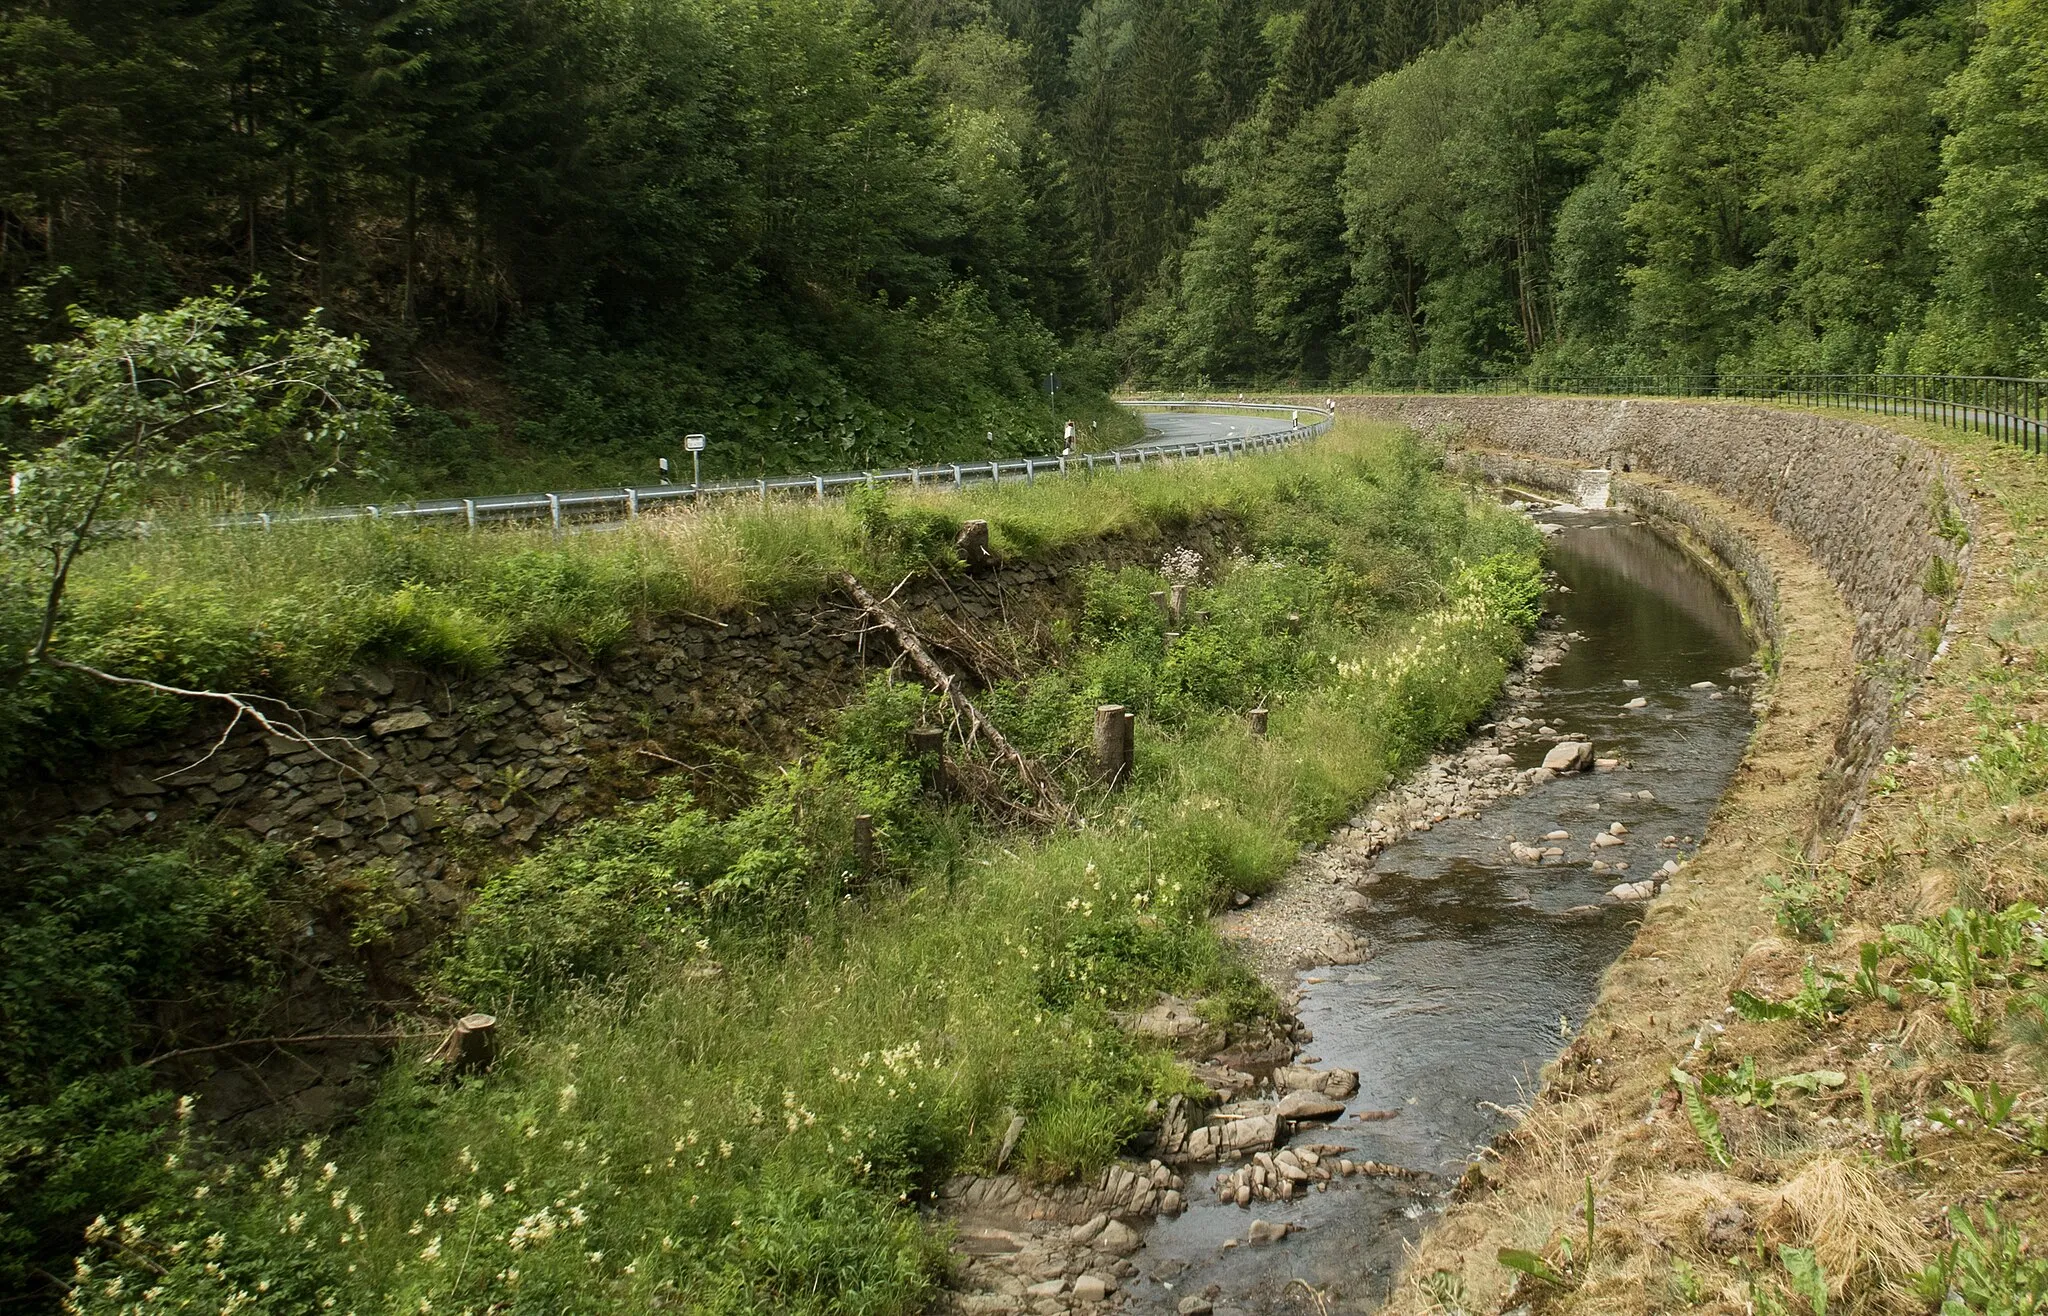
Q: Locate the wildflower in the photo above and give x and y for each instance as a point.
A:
(566, 1098)
(200, 1192)
(432, 1251)
(327, 1173)
(484, 1200)
(98, 1230)
(296, 1221)
(214, 1244)
(183, 1110)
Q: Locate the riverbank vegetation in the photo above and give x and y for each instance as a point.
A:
(734, 1058)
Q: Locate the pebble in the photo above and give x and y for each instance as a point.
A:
(1637, 702)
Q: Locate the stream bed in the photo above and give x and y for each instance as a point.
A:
(1482, 967)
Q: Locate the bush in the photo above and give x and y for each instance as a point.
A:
(90, 932)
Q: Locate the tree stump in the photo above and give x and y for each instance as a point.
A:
(1294, 623)
(1130, 745)
(1178, 603)
(1258, 720)
(1109, 743)
(471, 1045)
(1158, 597)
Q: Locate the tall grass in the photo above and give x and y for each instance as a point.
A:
(723, 1099)
(285, 611)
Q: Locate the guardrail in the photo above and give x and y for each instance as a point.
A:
(2008, 407)
(587, 505)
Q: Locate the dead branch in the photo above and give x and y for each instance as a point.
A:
(243, 706)
(299, 1040)
(1042, 786)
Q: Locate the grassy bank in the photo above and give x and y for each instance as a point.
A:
(731, 1063)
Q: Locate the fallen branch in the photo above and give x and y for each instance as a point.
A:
(299, 1040)
(1048, 794)
(244, 706)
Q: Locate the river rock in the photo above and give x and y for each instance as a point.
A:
(1637, 702)
(1309, 1106)
(1269, 1231)
(1559, 835)
(1630, 892)
(1170, 1021)
(1329, 1082)
(1092, 1287)
(1605, 839)
(1195, 1305)
(1617, 829)
(1569, 756)
(1118, 1237)
(1704, 685)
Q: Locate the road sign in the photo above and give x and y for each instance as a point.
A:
(693, 443)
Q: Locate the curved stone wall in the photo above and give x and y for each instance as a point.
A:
(1877, 510)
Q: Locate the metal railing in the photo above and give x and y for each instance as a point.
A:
(2008, 408)
(625, 503)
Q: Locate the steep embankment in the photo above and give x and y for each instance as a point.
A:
(743, 1023)
(1824, 1040)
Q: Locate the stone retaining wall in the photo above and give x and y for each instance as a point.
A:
(1876, 509)
(453, 777)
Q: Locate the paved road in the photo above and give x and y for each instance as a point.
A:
(1166, 428)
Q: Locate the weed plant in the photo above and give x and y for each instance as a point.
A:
(733, 1059)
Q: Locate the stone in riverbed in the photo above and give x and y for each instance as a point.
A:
(1328, 1082)
(1630, 892)
(1093, 1288)
(1269, 1231)
(1119, 1238)
(1569, 756)
(1605, 839)
(1195, 1305)
(1637, 702)
(1308, 1106)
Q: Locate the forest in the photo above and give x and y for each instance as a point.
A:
(842, 232)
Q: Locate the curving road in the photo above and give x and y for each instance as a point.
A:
(1166, 428)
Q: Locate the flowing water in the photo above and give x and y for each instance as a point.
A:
(1482, 967)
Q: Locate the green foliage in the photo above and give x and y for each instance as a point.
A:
(1705, 1123)
(1805, 1276)
(1821, 996)
(707, 1020)
(1804, 903)
(1986, 1270)
(655, 883)
(2013, 761)
(90, 933)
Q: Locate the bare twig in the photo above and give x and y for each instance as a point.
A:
(300, 1039)
(244, 706)
(1042, 786)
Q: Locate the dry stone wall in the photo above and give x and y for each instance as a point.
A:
(449, 779)
(1877, 509)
